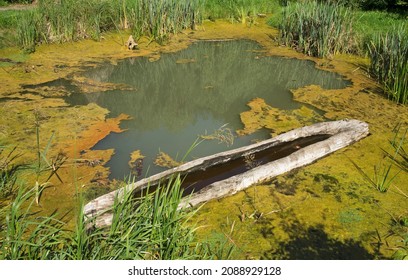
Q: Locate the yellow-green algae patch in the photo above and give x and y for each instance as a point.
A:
(70, 131)
(87, 85)
(262, 115)
(136, 162)
(165, 160)
(322, 211)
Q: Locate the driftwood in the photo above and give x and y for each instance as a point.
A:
(130, 43)
(340, 134)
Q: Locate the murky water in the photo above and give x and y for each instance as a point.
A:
(194, 92)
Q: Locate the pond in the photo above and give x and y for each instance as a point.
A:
(177, 97)
(249, 86)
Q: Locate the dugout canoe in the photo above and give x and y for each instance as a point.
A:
(286, 152)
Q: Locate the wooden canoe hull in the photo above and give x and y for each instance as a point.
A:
(341, 134)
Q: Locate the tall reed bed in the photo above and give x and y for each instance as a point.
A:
(28, 30)
(389, 62)
(70, 20)
(157, 19)
(148, 227)
(317, 28)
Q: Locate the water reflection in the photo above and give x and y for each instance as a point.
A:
(199, 89)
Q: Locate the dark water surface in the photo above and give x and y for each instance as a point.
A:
(193, 92)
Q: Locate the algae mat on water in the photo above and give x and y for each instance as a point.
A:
(324, 211)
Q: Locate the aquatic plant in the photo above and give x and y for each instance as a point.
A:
(399, 144)
(389, 62)
(160, 18)
(382, 177)
(8, 170)
(223, 135)
(219, 246)
(43, 163)
(317, 29)
(25, 236)
(143, 227)
(70, 20)
(27, 30)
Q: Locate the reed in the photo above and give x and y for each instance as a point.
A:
(383, 179)
(389, 62)
(27, 30)
(400, 146)
(160, 18)
(26, 236)
(149, 226)
(317, 29)
(71, 20)
(8, 170)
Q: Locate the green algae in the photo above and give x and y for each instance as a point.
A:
(165, 160)
(262, 115)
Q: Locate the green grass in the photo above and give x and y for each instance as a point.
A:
(243, 11)
(368, 24)
(8, 19)
(8, 24)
